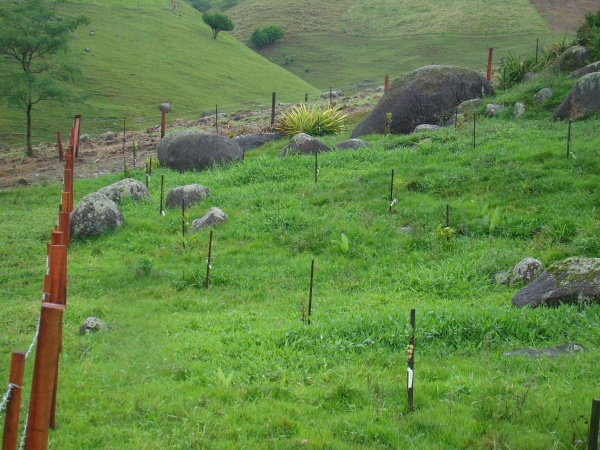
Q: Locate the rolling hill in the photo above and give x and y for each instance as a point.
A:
(141, 54)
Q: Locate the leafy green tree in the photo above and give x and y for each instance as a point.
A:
(31, 36)
(588, 34)
(266, 35)
(217, 22)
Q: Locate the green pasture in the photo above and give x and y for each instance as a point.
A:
(235, 367)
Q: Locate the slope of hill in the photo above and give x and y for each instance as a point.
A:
(141, 56)
(339, 43)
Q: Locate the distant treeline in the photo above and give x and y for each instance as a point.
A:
(206, 5)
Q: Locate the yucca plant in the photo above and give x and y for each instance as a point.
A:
(314, 121)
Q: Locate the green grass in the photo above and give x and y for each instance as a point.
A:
(357, 41)
(143, 56)
(234, 367)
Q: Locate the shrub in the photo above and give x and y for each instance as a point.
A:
(267, 35)
(289, 59)
(313, 121)
(588, 34)
(258, 38)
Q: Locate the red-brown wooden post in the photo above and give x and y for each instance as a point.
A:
(13, 407)
(44, 374)
(60, 147)
(489, 66)
(76, 130)
(386, 83)
(58, 273)
(163, 123)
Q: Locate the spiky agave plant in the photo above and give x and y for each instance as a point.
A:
(314, 121)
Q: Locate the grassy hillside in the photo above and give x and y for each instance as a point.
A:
(140, 57)
(339, 43)
(234, 366)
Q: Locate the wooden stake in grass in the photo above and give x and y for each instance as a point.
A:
(386, 83)
(330, 94)
(60, 147)
(537, 44)
(316, 166)
(310, 292)
(147, 176)
(183, 218)
(13, 407)
(569, 140)
(455, 119)
(489, 65)
(474, 121)
(163, 123)
(392, 191)
(306, 98)
(273, 99)
(594, 425)
(150, 168)
(162, 193)
(411, 361)
(208, 267)
(217, 118)
(124, 162)
(447, 216)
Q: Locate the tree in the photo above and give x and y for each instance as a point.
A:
(31, 36)
(266, 35)
(218, 22)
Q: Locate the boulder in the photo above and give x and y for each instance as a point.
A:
(427, 127)
(127, 188)
(190, 195)
(519, 109)
(196, 150)
(468, 105)
(572, 281)
(213, 217)
(351, 144)
(543, 95)
(334, 94)
(525, 271)
(94, 215)
(92, 325)
(590, 68)
(424, 96)
(251, 141)
(572, 58)
(108, 136)
(380, 89)
(303, 144)
(492, 110)
(582, 100)
(166, 107)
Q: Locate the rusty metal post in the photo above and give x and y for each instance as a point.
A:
(13, 407)
(411, 362)
(163, 123)
(44, 374)
(310, 292)
(489, 66)
(386, 83)
(208, 267)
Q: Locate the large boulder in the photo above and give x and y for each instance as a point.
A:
(582, 100)
(196, 150)
(428, 95)
(213, 217)
(94, 215)
(127, 188)
(572, 58)
(590, 68)
(251, 141)
(303, 144)
(572, 281)
(190, 195)
(351, 144)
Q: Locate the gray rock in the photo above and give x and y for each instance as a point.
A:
(572, 281)
(590, 68)
(368, 91)
(213, 217)
(525, 271)
(91, 33)
(351, 144)
(380, 89)
(108, 136)
(92, 325)
(196, 150)
(303, 144)
(529, 76)
(469, 105)
(251, 141)
(502, 277)
(572, 58)
(190, 194)
(84, 138)
(582, 100)
(427, 127)
(21, 181)
(519, 109)
(492, 110)
(94, 215)
(533, 353)
(87, 49)
(165, 107)
(127, 188)
(407, 230)
(543, 95)
(334, 94)
(424, 96)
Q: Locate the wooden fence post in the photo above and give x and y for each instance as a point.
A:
(489, 66)
(273, 99)
(13, 407)
(60, 147)
(44, 374)
(163, 123)
(594, 425)
(75, 131)
(386, 83)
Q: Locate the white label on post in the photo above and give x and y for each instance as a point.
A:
(410, 377)
(47, 265)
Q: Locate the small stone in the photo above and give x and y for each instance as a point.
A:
(165, 107)
(21, 181)
(492, 110)
(84, 138)
(426, 127)
(519, 109)
(91, 33)
(87, 50)
(213, 217)
(92, 325)
(543, 95)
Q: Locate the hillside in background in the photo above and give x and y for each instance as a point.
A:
(339, 43)
(142, 54)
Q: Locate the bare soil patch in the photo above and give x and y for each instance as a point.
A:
(565, 15)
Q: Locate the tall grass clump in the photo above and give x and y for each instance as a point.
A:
(314, 121)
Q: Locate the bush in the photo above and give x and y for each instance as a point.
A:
(289, 59)
(267, 35)
(217, 22)
(313, 121)
(258, 38)
(588, 34)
